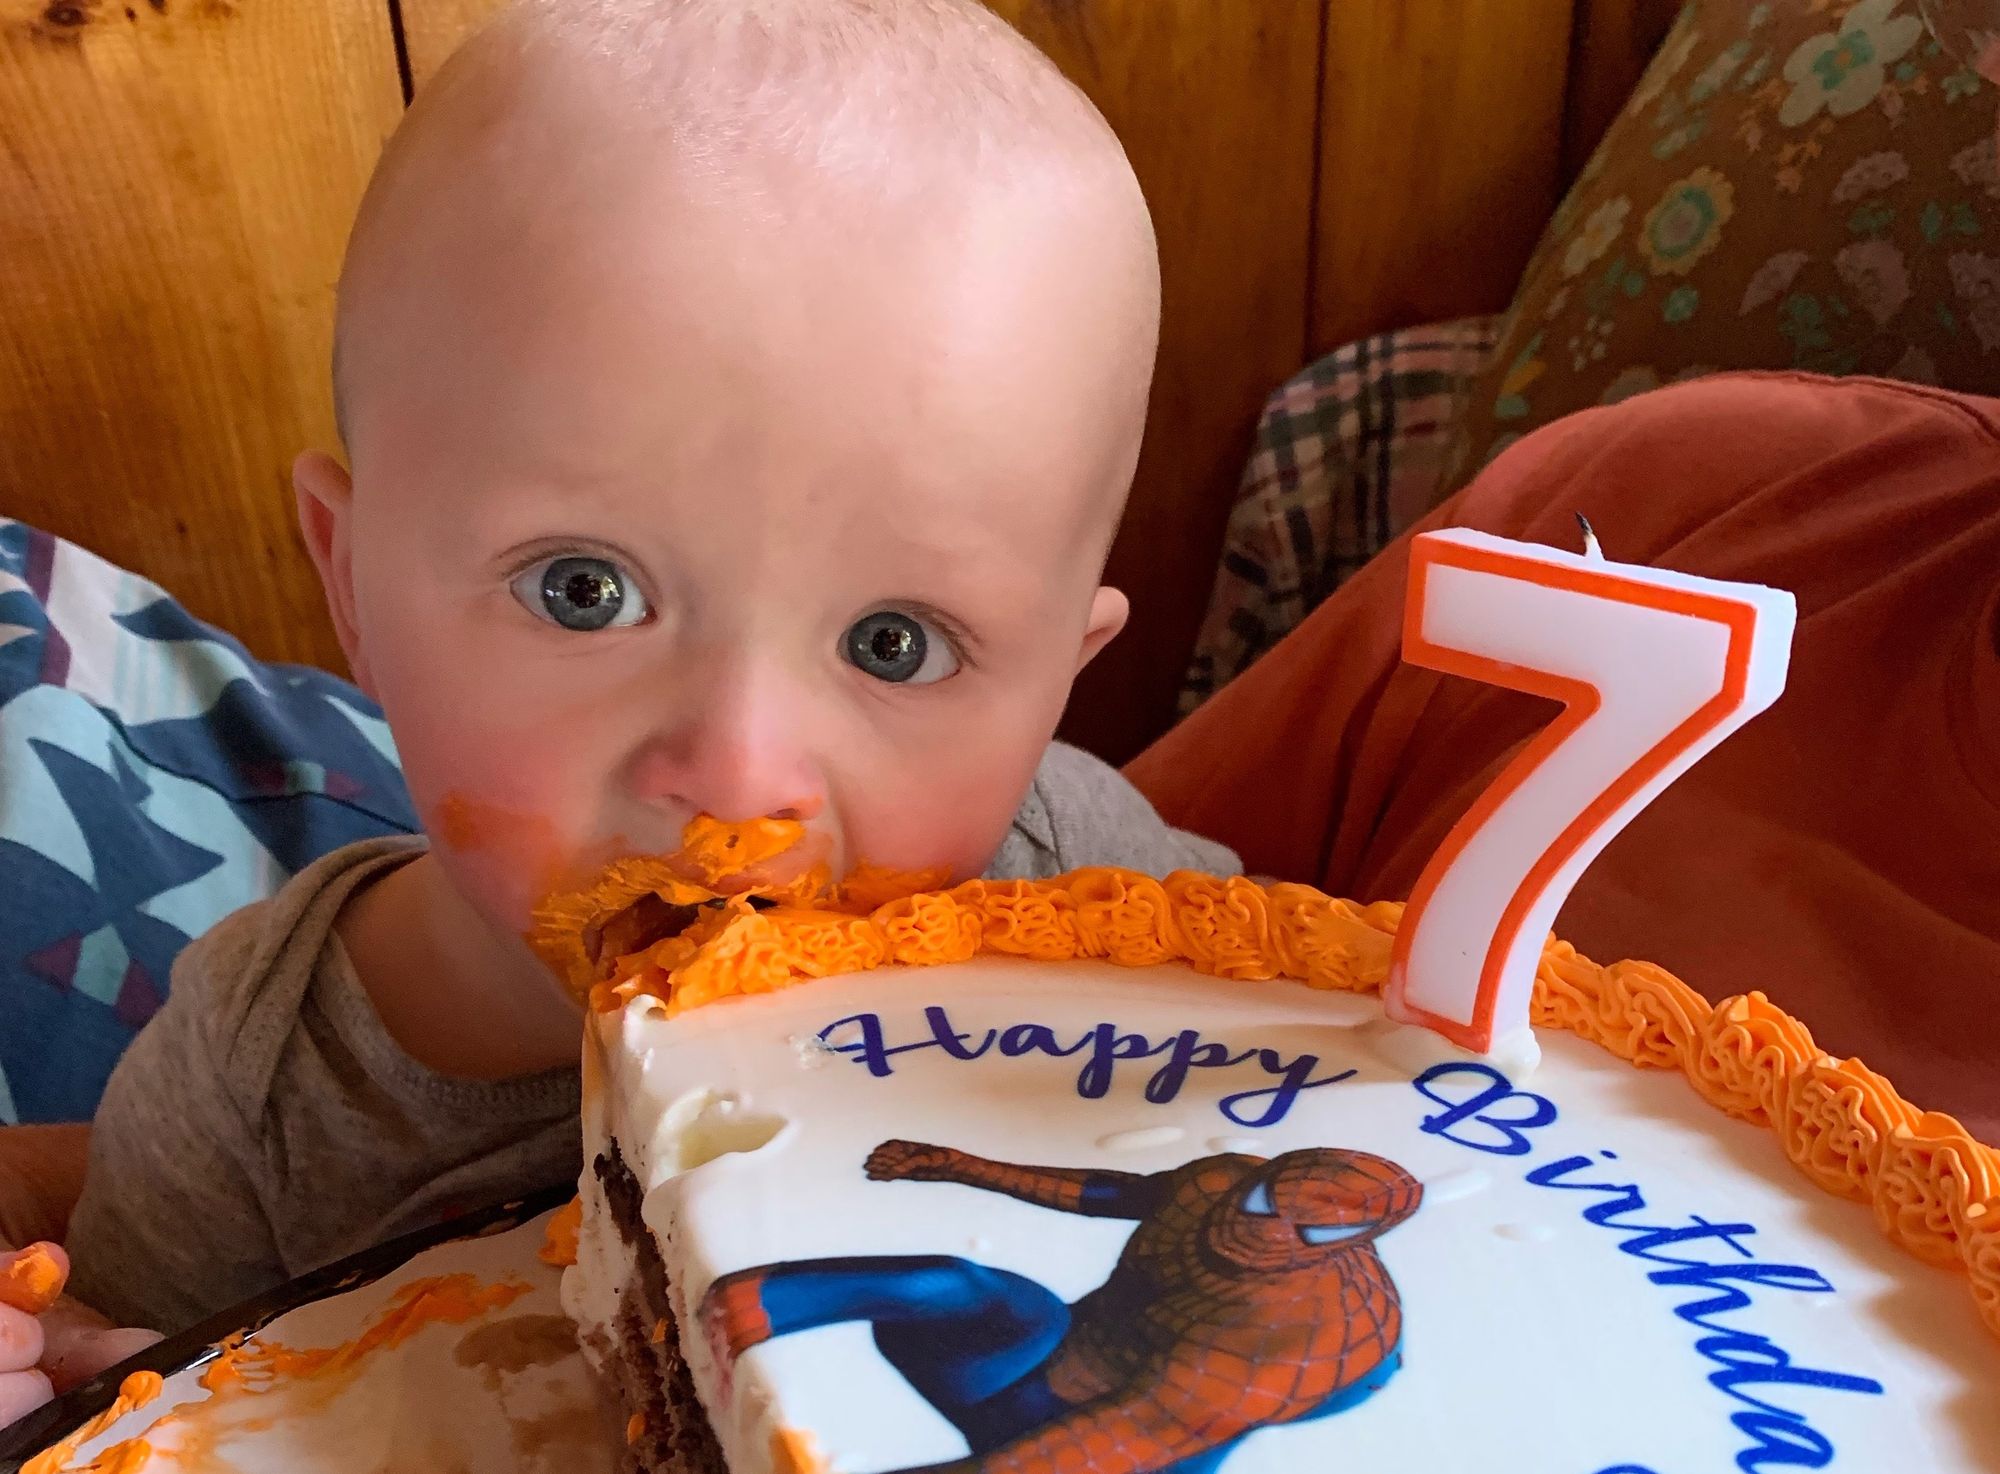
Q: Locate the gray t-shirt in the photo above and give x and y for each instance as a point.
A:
(265, 1123)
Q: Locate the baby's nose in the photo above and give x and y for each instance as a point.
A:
(736, 755)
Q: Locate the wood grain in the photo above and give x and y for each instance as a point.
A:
(176, 180)
(1215, 103)
(1440, 140)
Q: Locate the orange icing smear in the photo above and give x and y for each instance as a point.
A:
(33, 1280)
(135, 1392)
(249, 1367)
(1934, 1189)
(559, 1238)
(716, 851)
(794, 1451)
(450, 1299)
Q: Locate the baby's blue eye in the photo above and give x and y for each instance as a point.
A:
(898, 648)
(581, 593)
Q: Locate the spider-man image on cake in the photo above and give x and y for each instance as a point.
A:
(1249, 1294)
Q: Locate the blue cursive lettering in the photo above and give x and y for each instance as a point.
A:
(1492, 1102)
(1482, 1111)
(1101, 1049)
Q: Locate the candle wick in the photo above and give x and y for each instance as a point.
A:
(1591, 548)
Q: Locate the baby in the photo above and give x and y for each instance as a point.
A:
(740, 397)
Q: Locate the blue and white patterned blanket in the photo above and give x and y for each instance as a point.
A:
(153, 778)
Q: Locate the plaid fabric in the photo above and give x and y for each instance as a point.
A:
(1348, 453)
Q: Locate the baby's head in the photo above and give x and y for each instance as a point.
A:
(740, 397)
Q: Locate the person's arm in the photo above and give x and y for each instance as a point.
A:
(1089, 1191)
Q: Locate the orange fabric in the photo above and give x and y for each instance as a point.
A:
(1841, 853)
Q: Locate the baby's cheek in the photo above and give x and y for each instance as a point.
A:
(501, 788)
(504, 828)
(506, 860)
(945, 817)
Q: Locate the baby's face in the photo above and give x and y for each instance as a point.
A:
(781, 507)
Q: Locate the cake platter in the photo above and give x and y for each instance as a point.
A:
(443, 1350)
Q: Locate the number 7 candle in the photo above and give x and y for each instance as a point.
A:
(1653, 669)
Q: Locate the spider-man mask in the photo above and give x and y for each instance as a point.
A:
(1299, 1210)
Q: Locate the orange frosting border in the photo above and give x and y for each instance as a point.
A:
(1934, 1190)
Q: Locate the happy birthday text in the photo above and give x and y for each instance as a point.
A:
(1102, 1048)
(1709, 1264)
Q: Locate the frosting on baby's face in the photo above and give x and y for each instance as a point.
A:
(763, 495)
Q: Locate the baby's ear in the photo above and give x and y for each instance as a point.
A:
(325, 494)
(1108, 611)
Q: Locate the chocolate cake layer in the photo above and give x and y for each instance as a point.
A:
(653, 1381)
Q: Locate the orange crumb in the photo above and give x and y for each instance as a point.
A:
(659, 1330)
(635, 1427)
(559, 1242)
(33, 1280)
(793, 1451)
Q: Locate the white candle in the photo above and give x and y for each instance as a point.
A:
(1653, 669)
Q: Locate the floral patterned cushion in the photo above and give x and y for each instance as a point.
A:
(1794, 184)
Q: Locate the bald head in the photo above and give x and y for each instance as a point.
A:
(557, 105)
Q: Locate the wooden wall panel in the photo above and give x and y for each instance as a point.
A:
(176, 181)
(1440, 157)
(1215, 103)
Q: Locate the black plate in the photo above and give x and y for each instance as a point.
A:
(21, 1441)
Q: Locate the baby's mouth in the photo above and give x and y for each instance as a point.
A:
(639, 903)
(647, 922)
(686, 926)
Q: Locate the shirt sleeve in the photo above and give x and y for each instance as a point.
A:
(170, 1227)
(1082, 812)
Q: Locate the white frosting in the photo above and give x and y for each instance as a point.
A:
(1533, 1338)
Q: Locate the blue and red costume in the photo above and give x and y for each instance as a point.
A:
(1249, 1294)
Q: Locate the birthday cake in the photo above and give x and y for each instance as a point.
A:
(1067, 1203)
(1114, 1174)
